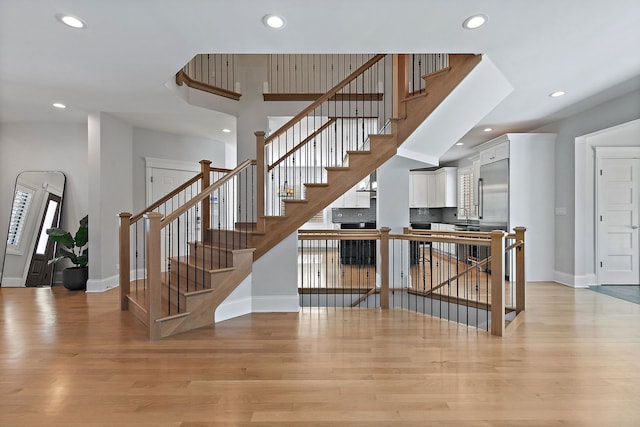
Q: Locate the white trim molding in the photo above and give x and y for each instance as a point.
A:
(563, 278)
(276, 304)
(102, 285)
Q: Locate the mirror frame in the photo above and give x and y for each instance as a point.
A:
(41, 185)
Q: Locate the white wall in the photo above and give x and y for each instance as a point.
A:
(275, 278)
(110, 192)
(44, 147)
(625, 135)
(168, 146)
(571, 170)
(253, 112)
(531, 199)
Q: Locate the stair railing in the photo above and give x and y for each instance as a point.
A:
(132, 246)
(459, 276)
(338, 122)
(192, 214)
(322, 134)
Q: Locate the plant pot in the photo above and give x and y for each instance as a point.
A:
(75, 278)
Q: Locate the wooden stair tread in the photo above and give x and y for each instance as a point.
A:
(173, 317)
(316, 184)
(183, 260)
(436, 73)
(199, 292)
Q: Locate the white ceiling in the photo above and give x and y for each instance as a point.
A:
(120, 63)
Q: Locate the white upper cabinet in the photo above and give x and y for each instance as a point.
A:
(354, 199)
(433, 189)
(494, 153)
(446, 187)
(418, 189)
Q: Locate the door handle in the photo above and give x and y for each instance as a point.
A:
(634, 227)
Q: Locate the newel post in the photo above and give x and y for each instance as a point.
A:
(205, 168)
(520, 269)
(153, 294)
(400, 84)
(124, 258)
(497, 282)
(384, 267)
(260, 172)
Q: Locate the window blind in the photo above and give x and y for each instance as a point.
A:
(21, 202)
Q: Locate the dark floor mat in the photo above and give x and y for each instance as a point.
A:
(624, 292)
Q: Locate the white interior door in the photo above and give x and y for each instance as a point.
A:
(165, 181)
(618, 190)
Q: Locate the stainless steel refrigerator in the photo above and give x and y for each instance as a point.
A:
(493, 196)
(493, 203)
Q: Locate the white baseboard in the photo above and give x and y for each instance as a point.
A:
(238, 303)
(102, 285)
(13, 282)
(585, 281)
(232, 309)
(276, 304)
(563, 278)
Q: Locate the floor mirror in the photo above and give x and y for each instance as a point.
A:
(36, 207)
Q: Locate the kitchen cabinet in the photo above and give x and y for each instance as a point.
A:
(432, 192)
(354, 199)
(433, 189)
(446, 187)
(494, 153)
(419, 189)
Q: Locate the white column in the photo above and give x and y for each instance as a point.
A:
(392, 210)
(110, 192)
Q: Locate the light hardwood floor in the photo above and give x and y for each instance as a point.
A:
(74, 359)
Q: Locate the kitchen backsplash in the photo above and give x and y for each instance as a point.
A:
(355, 215)
(449, 215)
(446, 215)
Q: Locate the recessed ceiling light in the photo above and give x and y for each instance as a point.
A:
(459, 143)
(274, 21)
(475, 21)
(71, 21)
(59, 105)
(488, 129)
(557, 94)
(225, 130)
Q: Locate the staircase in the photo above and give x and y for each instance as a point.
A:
(202, 268)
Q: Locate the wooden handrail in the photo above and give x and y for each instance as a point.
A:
(205, 192)
(223, 170)
(442, 238)
(138, 216)
(374, 60)
(162, 200)
(183, 78)
(302, 143)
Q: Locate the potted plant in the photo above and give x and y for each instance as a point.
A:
(73, 248)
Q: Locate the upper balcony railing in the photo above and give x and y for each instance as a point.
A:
(473, 278)
(299, 76)
(213, 73)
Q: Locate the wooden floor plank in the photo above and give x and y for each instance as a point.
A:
(74, 359)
